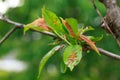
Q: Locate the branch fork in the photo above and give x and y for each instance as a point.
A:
(19, 25)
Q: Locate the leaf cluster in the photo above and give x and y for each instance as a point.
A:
(69, 33)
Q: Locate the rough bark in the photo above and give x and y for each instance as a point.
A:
(113, 16)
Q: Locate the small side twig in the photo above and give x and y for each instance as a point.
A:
(8, 34)
(96, 9)
(104, 22)
(102, 18)
(17, 25)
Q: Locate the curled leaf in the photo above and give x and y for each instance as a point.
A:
(37, 25)
(90, 43)
(73, 23)
(40, 22)
(68, 27)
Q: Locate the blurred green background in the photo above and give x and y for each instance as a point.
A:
(31, 47)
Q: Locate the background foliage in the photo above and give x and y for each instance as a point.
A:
(33, 46)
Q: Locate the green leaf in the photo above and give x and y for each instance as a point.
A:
(73, 23)
(36, 28)
(72, 55)
(46, 57)
(26, 28)
(63, 67)
(83, 29)
(95, 39)
(53, 22)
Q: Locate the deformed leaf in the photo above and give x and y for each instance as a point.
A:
(45, 59)
(90, 43)
(73, 23)
(37, 25)
(68, 27)
(40, 22)
(72, 55)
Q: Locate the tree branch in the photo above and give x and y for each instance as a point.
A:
(109, 54)
(19, 25)
(5, 19)
(8, 34)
